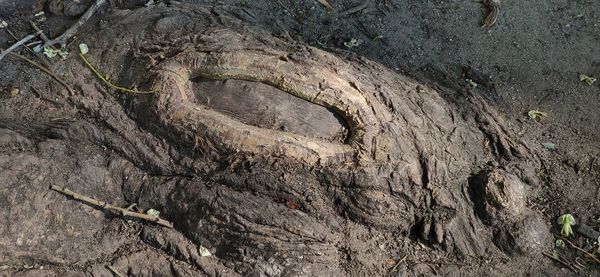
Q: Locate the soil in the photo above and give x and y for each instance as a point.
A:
(288, 139)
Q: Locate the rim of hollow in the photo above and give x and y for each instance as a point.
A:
(316, 85)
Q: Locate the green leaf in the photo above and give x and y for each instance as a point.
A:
(566, 221)
(471, 82)
(50, 53)
(63, 53)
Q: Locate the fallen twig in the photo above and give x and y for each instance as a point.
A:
(111, 208)
(115, 271)
(37, 29)
(398, 263)
(45, 70)
(17, 44)
(549, 255)
(356, 9)
(41, 96)
(42, 61)
(326, 4)
(582, 250)
(62, 39)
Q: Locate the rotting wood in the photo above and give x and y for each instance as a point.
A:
(111, 208)
(587, 231)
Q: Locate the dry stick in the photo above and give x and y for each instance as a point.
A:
(44, 63)
(45, 70)
(398, 263)
(17, 44)
(577, 259)
(115, 271)
(17, 39)
(326, 4)
(62, 39)
(37, 29)
(356, 9)
(581, 249)
(111, 208)
(560, 261)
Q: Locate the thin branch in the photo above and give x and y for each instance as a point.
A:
(42, 61)
(549, 255)
(37, 29)
(582, 250)
(398, 263)
(62, 39)
(18, 43)
(45, 70)
(111, 208)
(115, 271)
(326, 4)
(353, 10)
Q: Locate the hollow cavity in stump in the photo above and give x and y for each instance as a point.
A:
(265, 106)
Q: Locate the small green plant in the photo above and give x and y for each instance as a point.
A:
(587, 79)
(352, 43)
(566, 221)
(537, 115)
(51, 52)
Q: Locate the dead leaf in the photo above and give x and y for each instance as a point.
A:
(326, 4)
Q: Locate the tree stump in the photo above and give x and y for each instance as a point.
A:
(279, 158)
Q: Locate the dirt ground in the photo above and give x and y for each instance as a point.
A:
(402, 168)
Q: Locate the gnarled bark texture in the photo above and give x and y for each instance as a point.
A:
(279, 158)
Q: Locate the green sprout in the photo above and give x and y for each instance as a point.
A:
(587, 79)
(566, 221)
(352, 43)
(536, 115)
(51, 52)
